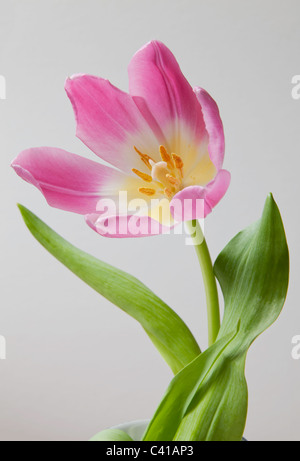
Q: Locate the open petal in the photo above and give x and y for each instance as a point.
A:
(217, 188)
(68, 181)
(214, 127)
(165, 97)
(196, 202)
(109, 122)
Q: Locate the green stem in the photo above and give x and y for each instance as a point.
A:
(210, 285)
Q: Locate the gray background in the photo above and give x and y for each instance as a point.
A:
(75, 363)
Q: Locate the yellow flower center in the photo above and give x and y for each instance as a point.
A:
(166, 175)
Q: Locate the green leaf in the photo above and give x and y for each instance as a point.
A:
(253, 271)
(165, 328)
(207, 400)
(111, 435)
(180, 415)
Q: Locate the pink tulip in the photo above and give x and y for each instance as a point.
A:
(164, 140)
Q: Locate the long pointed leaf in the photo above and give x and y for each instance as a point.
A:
(165, 328)
(253, 271)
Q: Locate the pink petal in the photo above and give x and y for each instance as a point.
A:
(196, 202)
(68, 181)
(125, 226)
(109, 122)
(217, 188)
(163, 94)
(214, 127)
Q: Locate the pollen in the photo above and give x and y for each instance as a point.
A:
(145, 158)
(172, 180)
(146, 177)
(147, 191)
(166, 157)
(168, 192)
(178, 163)
(166, 174)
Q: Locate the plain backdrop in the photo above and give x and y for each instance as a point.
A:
(75, 363)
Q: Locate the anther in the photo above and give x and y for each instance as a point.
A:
(147, 191)
(168, 192)
(144, 157)
(144, 176)
(166, 157)
(172, 180)
(178, 163)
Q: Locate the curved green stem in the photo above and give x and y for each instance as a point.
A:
(210, 285)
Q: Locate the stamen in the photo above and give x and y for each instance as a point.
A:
(166, 157)
(166, 175)
(147, 191)
(172, 180)
(144, 157)
(168, 192)
(144, 176)
(178, 163)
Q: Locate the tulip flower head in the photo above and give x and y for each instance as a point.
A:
(164, 141)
